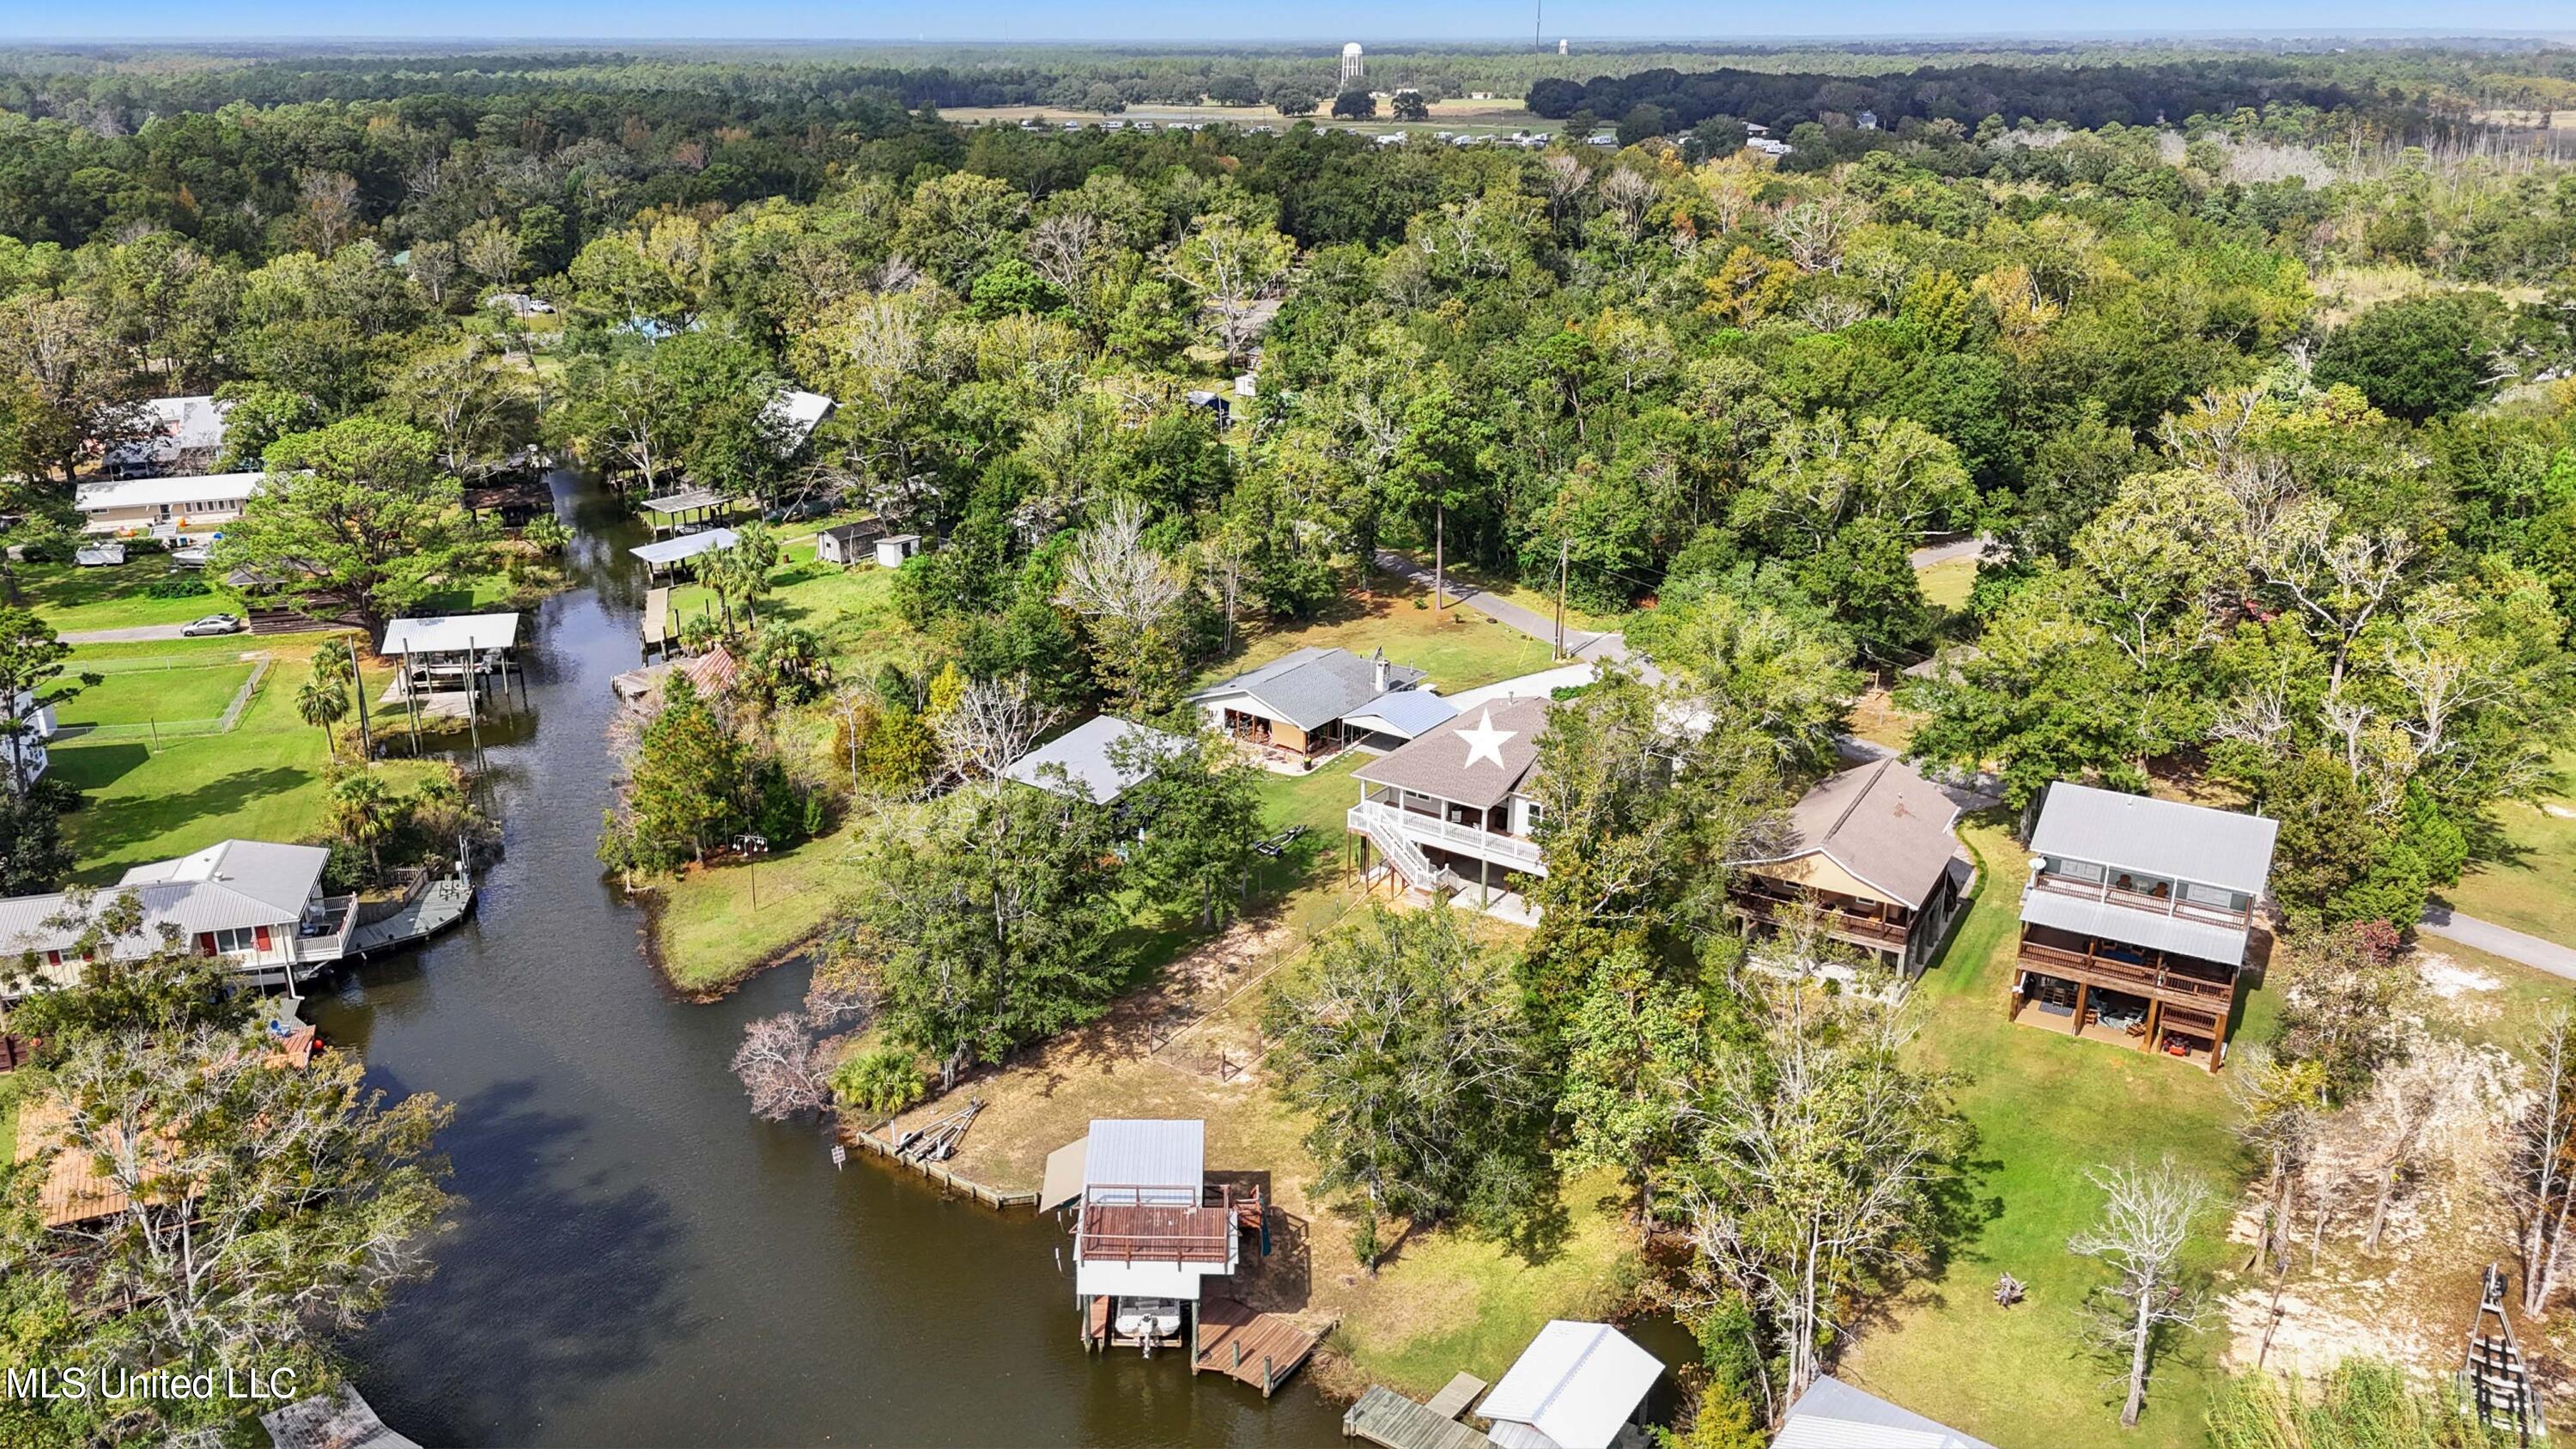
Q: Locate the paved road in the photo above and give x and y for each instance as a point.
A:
(1939, 553)
(2440, 920)
(137, 634)
(1538, 626)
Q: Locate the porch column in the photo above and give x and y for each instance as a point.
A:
(2082, 991)
(2155, 1020)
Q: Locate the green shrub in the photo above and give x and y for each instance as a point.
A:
(881, 1080)
(178, 584)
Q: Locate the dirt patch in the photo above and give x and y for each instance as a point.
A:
(2450, 980)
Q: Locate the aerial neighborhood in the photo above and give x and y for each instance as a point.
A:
(1557, 744)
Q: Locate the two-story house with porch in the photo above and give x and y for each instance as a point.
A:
(257, 904)
(1453, 810)
(2137, 919)
(1871, 850)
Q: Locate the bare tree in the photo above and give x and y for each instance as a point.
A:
(1113, 573)
(780, 1068)
(2541, 1192)
(989, 727)
(2432, 1107)
(2144, 1226)
(330, 200)
(1230, 263)
(1564, 177)
(1814, 231)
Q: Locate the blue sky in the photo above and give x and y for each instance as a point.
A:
(1169, 20)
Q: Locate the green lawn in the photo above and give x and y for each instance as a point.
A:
(2532, 886)
(263, 781)
(709, 931)
(2045, 1107)
(72, 598)
(1946, 585)
(1459, 648)
(187, 688)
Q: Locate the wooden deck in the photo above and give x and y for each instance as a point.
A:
(1453, 1400)
(1261, 1349)
(1385, 1417)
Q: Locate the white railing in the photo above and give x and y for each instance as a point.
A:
(331, 947)
(1511, 850)
(1403, 854)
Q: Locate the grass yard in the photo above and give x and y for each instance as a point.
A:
(1537, 597)
(1946, 585)
(72, 598)
(177, 688)
(709, 932)
(2532, 887)
(262, 781)
(1460, 648)
(2046, 1107)
(851, 609)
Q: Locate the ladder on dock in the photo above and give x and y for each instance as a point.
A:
(2494, 1382)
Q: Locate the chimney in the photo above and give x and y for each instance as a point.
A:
(1379, 670)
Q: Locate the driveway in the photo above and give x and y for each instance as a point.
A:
(1579, 644)
(135, 635)
(2440, 920)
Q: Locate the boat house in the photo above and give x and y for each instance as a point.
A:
(2136, 920)
(1148, 1230)
(450, 653)
(1872, 850)
(1453, 809)
(665, 555)
(1316, 702)
(1577, 1386)
(257, 904)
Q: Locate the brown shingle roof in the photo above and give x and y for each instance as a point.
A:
(1438, 764)
(1884, 823)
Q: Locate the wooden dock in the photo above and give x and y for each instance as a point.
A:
(1261, 1349)
(657, 617)
(441, 904)
(1452, 1401)
(1385, 1417)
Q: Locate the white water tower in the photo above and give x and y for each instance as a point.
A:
(1352, 67)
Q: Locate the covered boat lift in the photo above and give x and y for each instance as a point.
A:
(665, 555)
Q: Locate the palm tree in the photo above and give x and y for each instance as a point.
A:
(323, 703)
(362, 810)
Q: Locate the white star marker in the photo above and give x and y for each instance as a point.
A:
(1485, 742)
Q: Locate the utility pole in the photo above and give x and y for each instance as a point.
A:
(1563, 547)
(1439, 556)
(358, 684)
(411, 701)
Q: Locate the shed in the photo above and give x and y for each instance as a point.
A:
(1832, 1414)
(99, 555)
(893, 550)
(1574, 1387)
(848, 543)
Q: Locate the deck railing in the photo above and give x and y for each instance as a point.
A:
(2154, 976)
(333, 944)
(1125, 1224)
(1511, 850)
(1763, 907)
(2169, 904)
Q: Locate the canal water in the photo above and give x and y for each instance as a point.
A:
(637, 1261)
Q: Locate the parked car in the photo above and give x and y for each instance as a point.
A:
(212, 624)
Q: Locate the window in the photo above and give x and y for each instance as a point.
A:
(236, 938)
(2083, 870)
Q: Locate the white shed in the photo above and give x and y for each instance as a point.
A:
(1574, 1387)
(891, 552)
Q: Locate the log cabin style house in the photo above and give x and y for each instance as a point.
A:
(1872, 849)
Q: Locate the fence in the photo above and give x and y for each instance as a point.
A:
(156, 730)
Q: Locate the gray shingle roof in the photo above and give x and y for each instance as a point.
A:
(1314, 686)
(2157, 837)
(1447, 765)
(1882, 822)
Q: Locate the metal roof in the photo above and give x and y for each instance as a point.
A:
(1576, 1383)
(236, 884)
(2200, 939)
(1406, 712)
(2156, 837)
(1089, 757)
(229, 489)
(1314, 686)
(683, 500)
(1541, 685)
(1882, 822)
(1479, 759)
(179, 425)
(1147, 1152)
(686, 546)
(450, 633)
(1832, 1414)
(798, 413)
(1063, 1182)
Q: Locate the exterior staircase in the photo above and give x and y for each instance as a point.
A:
(1403, 854)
